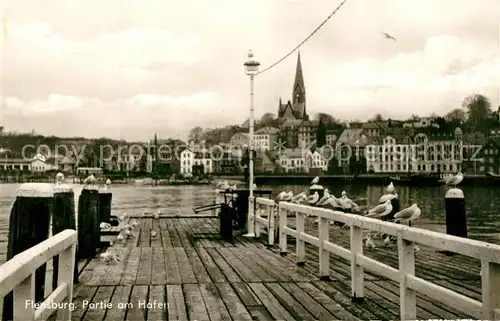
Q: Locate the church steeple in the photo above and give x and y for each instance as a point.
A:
(299, 91)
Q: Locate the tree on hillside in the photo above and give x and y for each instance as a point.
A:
(478, 110)
(196, 134)
(377, 118)
(455, 114)
(320, 134)
(325, 118)
(267, 119)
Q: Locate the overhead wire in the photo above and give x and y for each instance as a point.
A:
(305, 40)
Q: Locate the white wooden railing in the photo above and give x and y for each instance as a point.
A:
(18, 275)
(489, 255)
(262, 217)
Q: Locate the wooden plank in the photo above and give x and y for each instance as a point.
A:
(173, 273)
(156, 240)
(120, 303)
(130, 273)
(176, 303)
(198, 268)
(114, 275)
(333, 307)
(85, 293)
(316, 309)
(266, 268)
(86, 274)
(246, 294)
(260, 313)
(241, 268)
(185, 242)
(235, 307)
(159, 308)
(174, 237)
(159, 274)
(287, 301)
(138, 298)
(144, 238)
(225, 268)
(213, 302)
(186, 270)
(100, 302)
(274, 307)
(145, 266)
(165, 235)
(210, 266)
(194, 303)
(187, 225)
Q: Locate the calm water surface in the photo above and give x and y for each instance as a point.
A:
(483, 203)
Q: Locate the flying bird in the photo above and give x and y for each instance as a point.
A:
(454, 180)
(388, 36)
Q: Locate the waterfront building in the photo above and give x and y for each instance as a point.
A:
(186, 161)
(315, 161)
(349, 151)
(265, 162)
(203, 159)
(239, 140)
(265, 138)
(488, 156)
(292, 160)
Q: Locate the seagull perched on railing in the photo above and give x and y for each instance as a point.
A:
(454, 180)
(325, 197)
(313, 199)
(407, 215)
(299, 198)
(387, 197)
(345, 202)
(380, 210)
(284, 196)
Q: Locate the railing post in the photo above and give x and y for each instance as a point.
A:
(24, 299)
(65, 275)
(258, 208)
(270, 228)
(407, 297)
(490, 285)
(250, 218)
(283, 237)
(357, 273)
(300, 243)
(324, 255)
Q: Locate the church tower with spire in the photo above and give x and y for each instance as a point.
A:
(296, 108)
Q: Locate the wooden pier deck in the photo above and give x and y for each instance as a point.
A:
(187, 268)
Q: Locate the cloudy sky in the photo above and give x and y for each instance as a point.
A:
(130, 68)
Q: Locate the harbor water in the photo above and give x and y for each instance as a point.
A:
(483, 203)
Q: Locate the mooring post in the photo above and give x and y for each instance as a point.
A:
(105, 196)
(89, 233)
(396, 207)
(456, 215)
(29, 225)
(317, 188)
(63, 217)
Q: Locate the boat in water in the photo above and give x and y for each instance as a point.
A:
(418, 179)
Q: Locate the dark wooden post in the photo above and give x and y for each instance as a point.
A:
(105, 197)
(63, 217)
(317, 188)
(89, 235)
(396, 207)
(29, 225)
(456, 215)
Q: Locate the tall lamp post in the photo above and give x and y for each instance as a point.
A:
(251, 69)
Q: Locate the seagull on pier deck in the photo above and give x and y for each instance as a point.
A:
(153, 233)
(380, 210)
(157, 214)
(387, 197)
(454, 180)
(390, 188)
(407, 215)
(315, 180)
(325, 197)
(313, 199)
(388, 36)
(299, 198)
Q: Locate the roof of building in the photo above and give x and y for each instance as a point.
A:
(293, 153)
(350, 137)
(268, 130)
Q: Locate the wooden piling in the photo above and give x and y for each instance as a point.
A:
(63, 217)
(105, 197)
(456, 215)
(88, 220)
(29, 225)
(396, 207)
